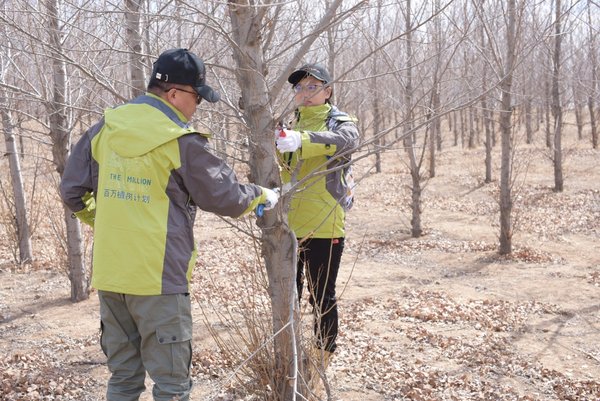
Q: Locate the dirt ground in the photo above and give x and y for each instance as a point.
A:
(440, 317)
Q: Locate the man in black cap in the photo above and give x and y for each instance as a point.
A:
(137, 177)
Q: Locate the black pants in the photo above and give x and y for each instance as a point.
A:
(319, 262)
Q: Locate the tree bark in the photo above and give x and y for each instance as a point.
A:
(556, 106)
(134, 42)
(60, 136)
(594, 115)
(22, 230)
(528, 128)
(376, 98)
(435, 143)
(471, 128)
(506, 138)
(578, 120)
(593, 126)
(487, 114)
(548, 103)
(278, 243)
(463, 126)
(16, 178)
(80, 280)
(415, 222)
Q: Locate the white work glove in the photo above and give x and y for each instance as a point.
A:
(272, 198)
(289, 141)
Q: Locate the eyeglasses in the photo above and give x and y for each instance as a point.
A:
(198, 97)
(308, 88)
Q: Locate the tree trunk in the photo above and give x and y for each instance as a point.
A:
(486, 113)
(134, 41)
(547, 118)
(416, 198)
(478, 126)
(435, 142)
(594, 115)
(278, 243)
(16, 179)
(528, 129)
(377, 151)
(463, 127)
(455, 119)
(415, 222)
(506, 138)
(80, 281)
(556, 106)
(488, 136)
(376, 98)
(488, 151)
(579, 120)
(594, 129)
(471, 128)
(493, 123)
(437, 104)
(59, 134)
(23, 233)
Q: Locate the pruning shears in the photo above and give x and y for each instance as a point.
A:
(260, 209)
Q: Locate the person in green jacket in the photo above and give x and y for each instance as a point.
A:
(137, 177)
(316, 153)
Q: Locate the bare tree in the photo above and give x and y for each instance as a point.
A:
(278, 241)
(59, 132)
(506, 130)
(593, 94)
(409, 138)
(577, 109)
(22, 232)
(528, 114)
(435, 141)
(556, 105)
(485, 109)
(56, 93)
(547, 107)
(506, 55)
(377, 112)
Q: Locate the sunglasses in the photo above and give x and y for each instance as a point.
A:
(198, 98)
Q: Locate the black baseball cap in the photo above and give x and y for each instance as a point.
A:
(316, 70)
(180, 66)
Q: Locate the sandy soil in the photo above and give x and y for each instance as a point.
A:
(440, 317)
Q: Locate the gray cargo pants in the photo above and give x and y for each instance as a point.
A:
(147, 334)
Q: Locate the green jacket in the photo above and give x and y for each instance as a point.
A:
(148, 170)
(328, 139)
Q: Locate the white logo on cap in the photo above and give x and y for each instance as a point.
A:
(159, 76)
